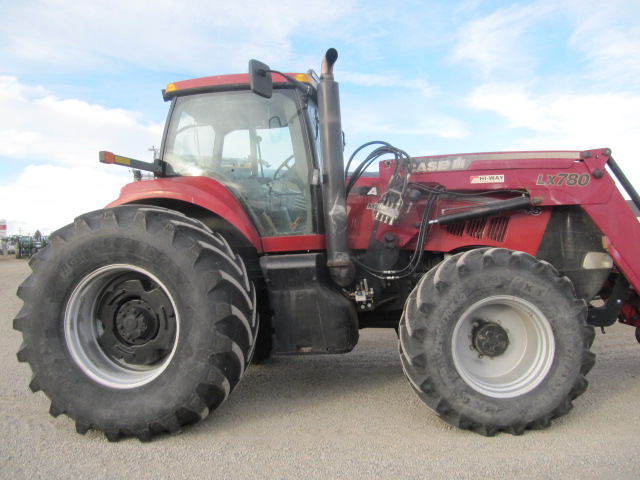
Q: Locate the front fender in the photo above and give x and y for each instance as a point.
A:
(201, 191)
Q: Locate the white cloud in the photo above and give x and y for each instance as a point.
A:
(388, 80)
(512, 42)
(568, 121)
(47, 197)
(498, 43)
(512, 101)
(608, 35)
(83, 35)
(400, 115)
(64, 136)
(35, 125)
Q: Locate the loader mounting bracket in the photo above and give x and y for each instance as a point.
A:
(607, 315)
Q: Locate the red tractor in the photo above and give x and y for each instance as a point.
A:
(252, 239)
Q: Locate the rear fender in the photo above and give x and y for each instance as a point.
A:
(201, 191)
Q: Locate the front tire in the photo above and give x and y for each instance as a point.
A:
(136, 321)
(494, 340)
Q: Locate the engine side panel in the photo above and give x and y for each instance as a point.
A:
(309, 315)
(574, 246)
(519, 230)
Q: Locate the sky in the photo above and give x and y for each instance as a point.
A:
(429, 76)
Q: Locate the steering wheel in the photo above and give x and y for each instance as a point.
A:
(287, 164)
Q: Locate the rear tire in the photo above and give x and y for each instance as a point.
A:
(494, 340)
(136, 321)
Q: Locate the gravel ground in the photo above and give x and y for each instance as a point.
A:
(343, 416)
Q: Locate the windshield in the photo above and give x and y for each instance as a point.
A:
(254, 145)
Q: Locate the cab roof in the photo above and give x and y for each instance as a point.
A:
(238, 81)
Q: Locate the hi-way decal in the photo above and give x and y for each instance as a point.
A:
(487, 179)
(568, 179)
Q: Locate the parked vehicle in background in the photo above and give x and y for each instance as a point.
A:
(27, 246)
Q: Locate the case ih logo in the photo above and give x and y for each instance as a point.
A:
(487, 179)
(438, 165)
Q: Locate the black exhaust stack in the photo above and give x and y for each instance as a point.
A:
(340, 265)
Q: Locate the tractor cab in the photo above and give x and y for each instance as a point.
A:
(258, 148)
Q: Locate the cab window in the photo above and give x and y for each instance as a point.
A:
(255, 146)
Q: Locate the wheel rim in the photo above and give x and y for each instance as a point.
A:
(520, 364)
(121, 326)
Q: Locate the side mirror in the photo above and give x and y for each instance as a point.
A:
(260, 79)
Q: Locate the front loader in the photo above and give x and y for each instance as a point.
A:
(253, 239)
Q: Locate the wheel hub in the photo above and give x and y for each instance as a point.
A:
(136, 323)
(489, 339)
